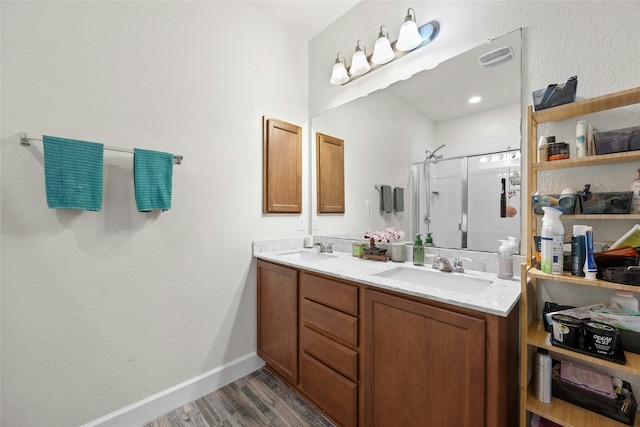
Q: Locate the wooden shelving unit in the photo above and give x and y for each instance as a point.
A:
(533, 334)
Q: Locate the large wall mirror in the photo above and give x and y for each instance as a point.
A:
(389, 135)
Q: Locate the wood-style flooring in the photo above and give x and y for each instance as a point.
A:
(257, 400)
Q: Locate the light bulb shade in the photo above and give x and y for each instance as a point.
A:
(382, 52)
(359, 62)
(339, 74)
(409, 37)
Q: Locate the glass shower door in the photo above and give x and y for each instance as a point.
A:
(446, 192)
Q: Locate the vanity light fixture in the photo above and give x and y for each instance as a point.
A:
(359, 61)
(385, 51)
(409, 37)
(382, 51)
(339, 73)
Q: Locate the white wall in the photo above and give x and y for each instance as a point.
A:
(380, 133)
(100, 310)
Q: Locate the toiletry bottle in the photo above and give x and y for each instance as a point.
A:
(546, 248)
(590, 267)
(543, 152)
(542, 376)
(552, 220)
(514, 245)
(624, 300)
(418, 251)
(428, 241)
(505, 261)
(578, 250)
(581, 138)
(635, 201)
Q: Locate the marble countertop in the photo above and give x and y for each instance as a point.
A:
(498, 298)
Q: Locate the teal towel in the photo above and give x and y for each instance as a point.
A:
(153, 176)
(386, 199)
(398, 199)
(73, 173)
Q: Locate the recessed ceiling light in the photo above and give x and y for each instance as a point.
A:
(474, 99)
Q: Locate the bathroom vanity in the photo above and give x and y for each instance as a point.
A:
(370, 345)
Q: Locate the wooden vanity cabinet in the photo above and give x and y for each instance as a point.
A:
(329, 344)
(373, 358)
(278, 319)
(429, 364)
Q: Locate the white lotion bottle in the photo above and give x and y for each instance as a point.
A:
(543, 149)
(505, 261)
(582, 129)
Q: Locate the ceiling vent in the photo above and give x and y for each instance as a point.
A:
(496, 57)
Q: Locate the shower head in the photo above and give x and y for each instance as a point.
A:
(431, 155)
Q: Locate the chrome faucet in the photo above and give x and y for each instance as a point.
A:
(325, 247)
(457, 264)
(441, 263)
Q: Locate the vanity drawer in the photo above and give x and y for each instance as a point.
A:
(337, 357)
(333, 393)
(337, 325)
(328, 292)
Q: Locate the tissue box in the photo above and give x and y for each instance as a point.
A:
(616, 141)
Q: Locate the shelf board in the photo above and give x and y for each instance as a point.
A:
(588, 106)
(604, 159)
(570, 415)
(598, 216)
(537, 336)
(569, 278)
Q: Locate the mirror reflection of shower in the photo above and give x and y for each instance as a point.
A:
(458, 199)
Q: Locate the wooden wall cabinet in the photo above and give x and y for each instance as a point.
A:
(533, 335)
(281, 167)
(330, 173)
(278, 319)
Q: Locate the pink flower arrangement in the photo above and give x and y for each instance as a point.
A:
(386, 236)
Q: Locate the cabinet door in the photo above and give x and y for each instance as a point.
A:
(424, 366)
(282, 167)
(330, 173)
(278, 319)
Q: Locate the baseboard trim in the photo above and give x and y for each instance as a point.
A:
(159, 404)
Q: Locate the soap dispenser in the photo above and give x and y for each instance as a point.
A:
(428, 241)
(505, 261)
(418, 251)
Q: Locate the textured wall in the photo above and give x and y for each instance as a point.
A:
(100, 310)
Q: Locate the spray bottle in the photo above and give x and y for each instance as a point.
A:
(635, 201)
(552, 219)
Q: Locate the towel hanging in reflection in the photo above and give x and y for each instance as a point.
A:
(398, 199)
(386, 199)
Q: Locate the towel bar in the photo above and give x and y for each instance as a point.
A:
(25, 140)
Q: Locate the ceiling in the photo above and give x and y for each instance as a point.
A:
(442, 93)
(305, 18)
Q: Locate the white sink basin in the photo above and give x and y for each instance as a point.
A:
(458, 282)
(307, 256)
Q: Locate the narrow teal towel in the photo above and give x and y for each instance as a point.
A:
(152, 176)
(386, 199)
(73, 173)
(398, 199)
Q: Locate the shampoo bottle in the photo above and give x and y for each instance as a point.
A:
(542, 376)
(505, 261)
(578, 251)
(543, 153)
(552, 219)
(590, 268)
(418, 251)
